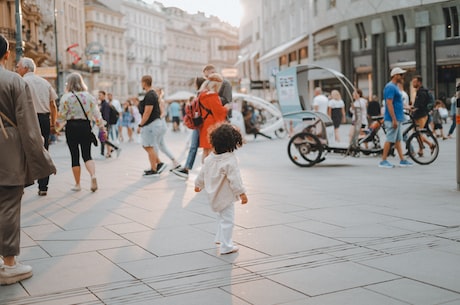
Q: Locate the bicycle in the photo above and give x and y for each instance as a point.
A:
(421, 144)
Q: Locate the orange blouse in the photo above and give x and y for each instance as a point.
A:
(211, 101)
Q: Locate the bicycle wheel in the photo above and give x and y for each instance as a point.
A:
(422, 147)
(370, 145)
(281, 133)
(305, 149)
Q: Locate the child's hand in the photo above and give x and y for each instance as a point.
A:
(244, 198)
(197, 189)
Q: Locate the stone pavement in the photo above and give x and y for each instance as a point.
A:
(341, 232)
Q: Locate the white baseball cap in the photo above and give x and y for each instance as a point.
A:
(397, 70)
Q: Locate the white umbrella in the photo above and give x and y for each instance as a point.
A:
(179, 96)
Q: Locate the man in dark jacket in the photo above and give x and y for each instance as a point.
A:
(422, 99)
(105, 112)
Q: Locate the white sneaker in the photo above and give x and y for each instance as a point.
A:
(13, 274)
(234, 250)
(76, 188)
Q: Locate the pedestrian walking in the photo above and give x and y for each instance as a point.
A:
(393, 118)
(77, 109)
(336, 111)
(43, 97)
(221, 179)
(23, 159)
(105, 142)
(161, 142)
(194, 139)
(150, 127)
(225, 95)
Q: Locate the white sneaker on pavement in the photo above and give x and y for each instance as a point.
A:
(13, 274)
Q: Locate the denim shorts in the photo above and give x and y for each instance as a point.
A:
(393, 135)
(151, 133)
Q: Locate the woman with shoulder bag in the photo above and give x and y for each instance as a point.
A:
(77, 108)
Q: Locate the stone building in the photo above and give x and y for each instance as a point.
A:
(363, 39)
(105, 49)
(33, 46)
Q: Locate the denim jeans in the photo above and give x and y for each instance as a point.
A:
(195, 142)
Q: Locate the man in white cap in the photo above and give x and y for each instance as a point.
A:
(393, 117)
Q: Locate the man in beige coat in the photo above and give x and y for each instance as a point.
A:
(23, 159)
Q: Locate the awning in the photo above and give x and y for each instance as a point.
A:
(254, 54)
(278, 50)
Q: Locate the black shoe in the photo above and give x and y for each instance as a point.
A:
(161, 167)
(181, 172)
(151, 173)
(42, 193)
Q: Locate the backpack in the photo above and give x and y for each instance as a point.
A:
(113, 118)
(193, 118)
(431, 101)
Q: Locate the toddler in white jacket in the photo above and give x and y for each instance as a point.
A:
(220, 178)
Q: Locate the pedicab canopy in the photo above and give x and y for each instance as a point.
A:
(292, 86)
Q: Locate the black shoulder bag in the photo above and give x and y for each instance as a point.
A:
(91, 134)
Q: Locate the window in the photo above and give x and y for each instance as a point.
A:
(400, 26)
(451, 21)
(315, 7)
(362, 35)
(303, 53)
(293, 56)
(331, 4)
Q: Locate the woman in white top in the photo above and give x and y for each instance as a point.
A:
(336, 111)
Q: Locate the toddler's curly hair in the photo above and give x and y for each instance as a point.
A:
(225, 137)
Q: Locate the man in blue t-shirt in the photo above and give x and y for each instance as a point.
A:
(393, 117)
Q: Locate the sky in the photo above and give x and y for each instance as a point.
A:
(226, 10)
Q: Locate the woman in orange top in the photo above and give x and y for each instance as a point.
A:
(210, 100)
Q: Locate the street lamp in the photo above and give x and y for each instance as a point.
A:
(58, 83)
(19, 49)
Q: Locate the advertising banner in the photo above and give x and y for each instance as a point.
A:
(286, 86)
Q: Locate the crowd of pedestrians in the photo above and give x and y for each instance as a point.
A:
(30, 114)
(30, 111)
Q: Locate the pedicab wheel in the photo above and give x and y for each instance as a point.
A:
(422, 147)
(305, 149)
(281, 133)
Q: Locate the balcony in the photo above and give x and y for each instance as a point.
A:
(9, 33)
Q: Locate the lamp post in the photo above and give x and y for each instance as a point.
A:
(19, 50)
(58, 83)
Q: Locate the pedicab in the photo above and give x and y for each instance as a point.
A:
(313, 132)
(269, 118)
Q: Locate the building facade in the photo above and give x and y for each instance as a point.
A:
(105, 48)
(363, 39)
(33, 46)
(113, 43)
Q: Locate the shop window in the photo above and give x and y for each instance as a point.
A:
(303, 53)
(283, 60)
(451, 21)
(293, 56)
(400, 26)
(362, 35)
